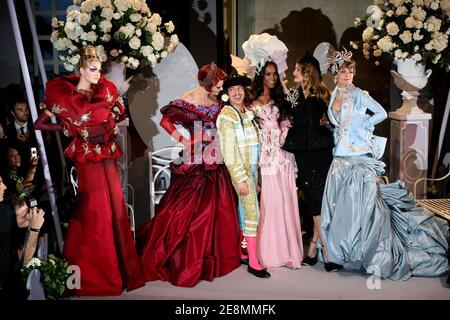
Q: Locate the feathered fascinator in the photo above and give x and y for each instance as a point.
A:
(259, 49)
(337, 59)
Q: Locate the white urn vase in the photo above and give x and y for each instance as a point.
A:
(410, 77)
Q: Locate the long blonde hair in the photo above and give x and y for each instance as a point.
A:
(88, 54)
(312, 82)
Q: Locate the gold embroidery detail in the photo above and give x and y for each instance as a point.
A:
(109, 96)
(56, 108)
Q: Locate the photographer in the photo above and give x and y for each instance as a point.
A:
(19, 233)
(21, 185)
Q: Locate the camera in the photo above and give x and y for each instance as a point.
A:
(34, 152)
(32, 203)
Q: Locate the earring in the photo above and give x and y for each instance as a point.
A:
(335, 80)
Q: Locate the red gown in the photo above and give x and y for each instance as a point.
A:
(195, 233)
(99, 239)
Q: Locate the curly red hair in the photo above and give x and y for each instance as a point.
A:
(203, 73)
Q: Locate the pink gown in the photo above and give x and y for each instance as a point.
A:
(279, 232)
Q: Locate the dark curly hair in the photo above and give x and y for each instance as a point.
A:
(276, 94)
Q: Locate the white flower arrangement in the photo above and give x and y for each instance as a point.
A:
(400, 29)
(121, 30)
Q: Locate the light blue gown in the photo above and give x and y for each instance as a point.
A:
(368, 225)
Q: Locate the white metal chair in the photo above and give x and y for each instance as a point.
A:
(130, 207)
(159, 173)
(440, 207)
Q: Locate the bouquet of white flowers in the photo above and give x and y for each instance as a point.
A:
(121, 30)
(54, 275)
(400, 29)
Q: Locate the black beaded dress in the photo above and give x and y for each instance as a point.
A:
(312, 146)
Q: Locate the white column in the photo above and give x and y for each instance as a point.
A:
(409, 149)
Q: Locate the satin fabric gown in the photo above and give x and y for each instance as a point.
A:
(99, 239)
(280, 240)
(195, 233)
(368, 225)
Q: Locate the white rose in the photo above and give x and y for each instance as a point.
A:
(225, 97)
(418, 3)
(88, 6)
(124, 59)
(34, 262)
(392, 28)
(417, 57)
(375, 12)
(152, 59)
(250, 115)
(114, 53)
(54, 22)
(105, 26)
(84, 18)
(405, 55)
(436, 23)
(397, 2)
(410, 22)
(151, 27)
(156, 18)
(401, 10)
(173, 43)
(122, 5)
(117, 16)
(157, 41)
(386, 44)
(390, 13)
(134, 43)
(91, 36)
(439, 41)
(74, 60)
(367, 34)
(137, 4)
(169, 26)
(429, 46)
(445, 5)
(107, 13)
(163, 54)
(434, 6)
(106, 37)
(398, 53)
(73, 16)
(406, 36)
(135, 17)
(418, 13)
(68, 66)
(419, 24)
(54, 36)
(138, 32)
(354, 45)
(377, 53)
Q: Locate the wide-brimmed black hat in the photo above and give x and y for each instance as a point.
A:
(309, 58)
(234, 79)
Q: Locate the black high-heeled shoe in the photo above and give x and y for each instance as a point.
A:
(244, 261)
(310, 261)
(263, 273)
(331, 266)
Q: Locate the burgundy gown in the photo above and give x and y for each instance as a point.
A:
(99, 238)
(195, 233)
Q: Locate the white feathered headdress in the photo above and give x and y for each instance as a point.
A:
(259, 49)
